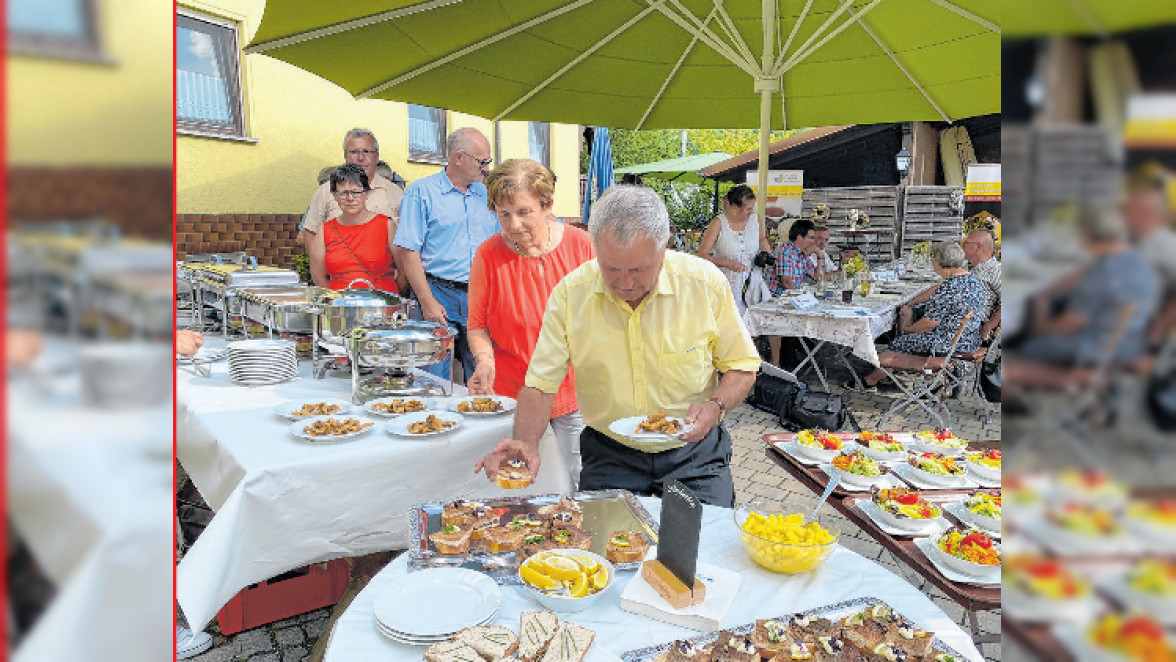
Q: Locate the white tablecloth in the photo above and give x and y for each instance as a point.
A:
(282, 503)
(836, 322)
(762, 594)
(90, 494)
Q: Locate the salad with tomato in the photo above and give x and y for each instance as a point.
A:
(1134, 637)
(1085, 520)
(989, 459)
(857, 463)
(973, 546)
(880, 441)
(905, 503)
(1092, 484)
(1154, 576)
(1160, 513)
(822, 440)
(984, 505)
(937, 463)
(942, 438)
(1045, 578)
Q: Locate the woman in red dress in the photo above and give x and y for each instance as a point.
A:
(357, 244)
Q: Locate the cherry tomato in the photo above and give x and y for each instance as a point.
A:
(1143, 627)
(978, 539)
(907, 499)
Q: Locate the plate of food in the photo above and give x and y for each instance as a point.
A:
(967, 551)
(881, 446)
(1037, 589)
(389, 407)
(981, 510)
(984, 465)
(1148, 586)
(298, 410)
(656, 427)
(1154, 521)
(1090, 486)
(820, 445)
(902, 510)
(424, 423)
(935, 470)
(1073, 528)
(939, 440)
(1114, 637)
(483, 405)
(856, 469)
(330, 429)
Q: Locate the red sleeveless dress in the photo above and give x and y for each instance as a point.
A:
(368, 258)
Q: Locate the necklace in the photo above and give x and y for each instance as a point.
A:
(519, 249)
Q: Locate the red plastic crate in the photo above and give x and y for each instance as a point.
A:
(289, 594)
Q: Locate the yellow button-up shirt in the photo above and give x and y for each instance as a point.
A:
(664, 354)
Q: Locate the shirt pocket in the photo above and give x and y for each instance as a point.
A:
(684, 372)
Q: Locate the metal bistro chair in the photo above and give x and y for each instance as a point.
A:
(965, 377)
(935, 376)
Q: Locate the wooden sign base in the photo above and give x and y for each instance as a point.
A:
(670, 587)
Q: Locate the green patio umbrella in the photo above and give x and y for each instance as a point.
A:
(1084, 17)
(683, 169)
(649, 64)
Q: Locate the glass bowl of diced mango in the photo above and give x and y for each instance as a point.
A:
(780, 540)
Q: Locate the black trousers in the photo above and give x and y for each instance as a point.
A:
(704, 467)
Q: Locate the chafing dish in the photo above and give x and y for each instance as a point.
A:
(381, 358)
(142, 300)
(217, 279)
(280, 309)
(342, 311)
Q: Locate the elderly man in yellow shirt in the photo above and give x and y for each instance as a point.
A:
(644, 329)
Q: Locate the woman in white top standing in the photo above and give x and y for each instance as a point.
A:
(735, 236)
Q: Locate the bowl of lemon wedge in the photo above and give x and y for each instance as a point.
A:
(566, 580)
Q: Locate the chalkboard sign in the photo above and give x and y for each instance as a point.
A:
(677, 537)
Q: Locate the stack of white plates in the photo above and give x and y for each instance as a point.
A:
(434, 604)
(262, 361)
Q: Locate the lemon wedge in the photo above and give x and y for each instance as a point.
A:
(600, 579)
(586, 563)
(562, 567)
(581, 585)
(536, 579)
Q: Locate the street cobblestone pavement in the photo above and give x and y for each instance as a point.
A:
(756, 477)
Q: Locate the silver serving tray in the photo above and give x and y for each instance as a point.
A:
(838, 610)
(605, 511)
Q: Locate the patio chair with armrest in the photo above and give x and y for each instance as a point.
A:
(964, 375)
(934, 374)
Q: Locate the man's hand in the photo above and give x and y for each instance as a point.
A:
(508, 449)
(482, 381)
(188, 342)
(433, 311)
(704, 416)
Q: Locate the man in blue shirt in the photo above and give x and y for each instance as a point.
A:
(443, 219)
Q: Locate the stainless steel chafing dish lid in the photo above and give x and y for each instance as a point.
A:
(359, 298)
(237, 257)
(407, 332)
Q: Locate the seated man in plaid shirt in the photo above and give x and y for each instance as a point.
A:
(792, 259)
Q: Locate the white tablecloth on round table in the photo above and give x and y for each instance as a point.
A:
(90, 494)
(762, 594)
(282, 503)
(835, 322)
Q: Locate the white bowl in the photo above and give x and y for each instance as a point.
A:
(957, 564)
(883, 456)
(983, 472)
(925, 447)
(979, 520)
(906, 523)
(940, 480)
(560, 603)
(856, 481)
(1147, 602)
(818, 454)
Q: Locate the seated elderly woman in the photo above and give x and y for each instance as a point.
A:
(356, 244)
(1072, 321)
(511, 279)
(946, 305)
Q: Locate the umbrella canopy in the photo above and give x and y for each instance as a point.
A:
(1084, 17)
(682, 169)
(648, 64)
(600, 167)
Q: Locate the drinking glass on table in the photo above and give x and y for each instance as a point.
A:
(847, 294)
(865, 286)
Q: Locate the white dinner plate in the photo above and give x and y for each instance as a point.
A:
(927, 545)
(262, 345)
(792, 448)
(286, 409)
(437, 601)
(919, 479)
(887, 479)
(927, 447)
(411, 640)
(899, 526)
(627, 427)
(508, 405)
(399, 425)
(296, 429)
(259, 382)
(367, 406)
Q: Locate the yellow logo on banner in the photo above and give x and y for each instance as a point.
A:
(1150, 131)
(982, 188)
(782, 191)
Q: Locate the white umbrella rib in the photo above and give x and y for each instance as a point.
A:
(781, 67)
(805, 51)
(893, 58)
(968, 15)
(673, 72)
(346, 26)
(493, 39)
(579, 58)
(705, 34)
(1084, 11)
(729, 27)
(792, 35)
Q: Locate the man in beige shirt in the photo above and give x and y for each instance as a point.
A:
(359, 147)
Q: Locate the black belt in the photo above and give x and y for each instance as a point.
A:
(453, 284)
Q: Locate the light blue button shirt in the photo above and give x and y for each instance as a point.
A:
(445, 225)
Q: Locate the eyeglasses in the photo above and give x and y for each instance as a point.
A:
(350, 194)
(482, 163)
(361, 152)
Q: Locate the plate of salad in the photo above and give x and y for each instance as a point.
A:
(881, 446)
(937, 469)
(818, 444)
(982, 510)
(940, 440)
(904, 509)
(985, 465)
(967, 551)
(856, 469)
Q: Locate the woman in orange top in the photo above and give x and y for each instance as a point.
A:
(358, 243)
(512, 276)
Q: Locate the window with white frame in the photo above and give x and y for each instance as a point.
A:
(54, 28)
(540, 142)
(426, 133)
(208, 79)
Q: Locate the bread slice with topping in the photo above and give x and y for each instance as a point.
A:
(451, 651)
(626, 547)
(536, 630)
(491, 641)
(570, 644)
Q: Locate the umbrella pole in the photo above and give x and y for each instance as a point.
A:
(765, 88)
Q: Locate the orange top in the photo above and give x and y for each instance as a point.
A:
(508, 294)
(369, 243)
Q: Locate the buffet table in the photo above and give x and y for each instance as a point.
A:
(89, 493)
(282, 503)
(762, 594)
